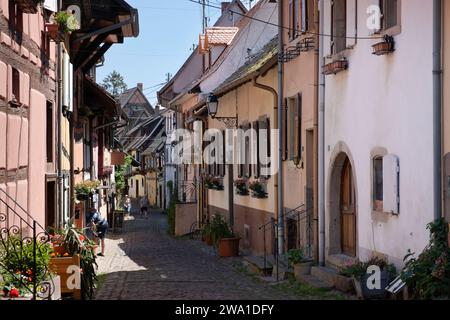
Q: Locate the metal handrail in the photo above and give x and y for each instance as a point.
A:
(273, 223)
(8, 230)
(19, 206)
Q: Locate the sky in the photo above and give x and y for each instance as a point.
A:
(168, 30)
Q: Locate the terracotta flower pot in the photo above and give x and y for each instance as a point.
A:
(302, 269)
(344, 284)
(229, 247)
(208, 240)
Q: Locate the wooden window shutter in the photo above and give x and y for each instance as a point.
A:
(240, 165)
(264, 124)
(391, 184)
(248, 166)
(298, 127)
(256, 166)
(222, 160)
(291, 20)
(284, 131)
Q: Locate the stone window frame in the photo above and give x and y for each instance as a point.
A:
(394, 30)
(377, 152)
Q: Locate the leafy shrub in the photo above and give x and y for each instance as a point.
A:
(220, 229)
(296, 256)
(428, 275)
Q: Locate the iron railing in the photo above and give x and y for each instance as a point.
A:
(187, 192)
(303, 218)
(22, 241)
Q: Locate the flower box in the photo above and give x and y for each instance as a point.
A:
(335, 67)
(344, 284)
(384, 47)
(68, 268)
(53, 31)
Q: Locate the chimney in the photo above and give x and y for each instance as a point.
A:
(140, 86)
(225, 6)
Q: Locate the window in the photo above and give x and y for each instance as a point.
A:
(15, 21)
(45, 45)
(49, 132)
(294, 27)
(307, 16)
(338, 25)
(389, 13)
(142, 181)
(16, 84)
(378, 184)
(294, 127)
(386, 184)
(131, 183)
(244, 149)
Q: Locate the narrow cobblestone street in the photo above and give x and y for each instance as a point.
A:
(143, 263)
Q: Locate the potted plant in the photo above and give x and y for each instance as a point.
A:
(18, 271)
(361, 277)
(67, 22)
(78, 251)
(302, 266)
(213, 183)
(258, 190)
(224, 238)
(85, 188)
(206, 234)
(241, 187)
(384, 47)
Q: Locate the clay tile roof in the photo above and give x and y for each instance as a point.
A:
(221, 35)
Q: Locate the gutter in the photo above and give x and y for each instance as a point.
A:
(280, 125)
(278, 176)
(321, 142)
(437, 108)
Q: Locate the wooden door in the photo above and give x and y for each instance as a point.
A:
(348, 212)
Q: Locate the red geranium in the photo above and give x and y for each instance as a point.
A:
(14, 293)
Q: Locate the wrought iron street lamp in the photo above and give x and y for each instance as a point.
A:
(212, 104)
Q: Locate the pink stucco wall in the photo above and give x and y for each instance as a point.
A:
(2, 140)
(37, 152)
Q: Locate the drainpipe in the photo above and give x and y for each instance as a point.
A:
(437, 107)
(280, 125)
(275, 121)
(60, 220)
(321, 151)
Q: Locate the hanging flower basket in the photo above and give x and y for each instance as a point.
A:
(384, 47)
(335, 67)
(258, 190)
(241, 187)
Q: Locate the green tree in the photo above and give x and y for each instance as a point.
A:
(114, 84)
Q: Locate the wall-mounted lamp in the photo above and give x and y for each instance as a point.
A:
(212, 104)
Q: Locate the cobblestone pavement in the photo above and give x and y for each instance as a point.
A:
(144, 263)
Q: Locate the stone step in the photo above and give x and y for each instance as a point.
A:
(325, 274)
(315, 282)
(338, 261)
(256, 265)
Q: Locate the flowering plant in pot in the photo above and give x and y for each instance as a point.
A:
(85, 188)
(67, 22)
(206, 234)
(213, 183)
(360, 273)
(258, 189)
(17, 270)
(302, 266)
(224, 238)
(75, 243)
(241, 187)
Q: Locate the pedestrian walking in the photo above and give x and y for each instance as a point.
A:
(99, 227)
(144, 207)
(127, 204)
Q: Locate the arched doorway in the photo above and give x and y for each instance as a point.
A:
(348, 211)
(342, 224)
